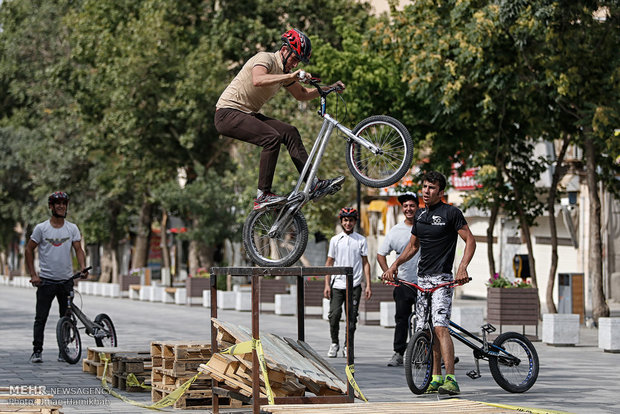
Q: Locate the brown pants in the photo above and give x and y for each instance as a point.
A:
(264, 132)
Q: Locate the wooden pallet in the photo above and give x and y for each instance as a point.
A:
(121, 362)
(120, 382)
(195, 399)
(450, 406)
(176, 362)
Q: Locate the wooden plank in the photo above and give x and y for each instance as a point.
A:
(450, 406)
(307, 351)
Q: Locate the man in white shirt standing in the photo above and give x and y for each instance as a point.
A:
(346, 249)
(396, 240)
(54, 238)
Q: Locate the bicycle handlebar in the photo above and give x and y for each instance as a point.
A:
(453, 283)
(316, 83)
(79, 274)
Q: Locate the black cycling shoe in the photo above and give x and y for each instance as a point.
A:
(326, 187)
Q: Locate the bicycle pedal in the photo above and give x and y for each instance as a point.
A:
(488, 328)
(473, 374)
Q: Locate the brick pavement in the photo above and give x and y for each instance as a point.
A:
(580, 379)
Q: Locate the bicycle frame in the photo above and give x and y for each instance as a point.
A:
(73, 311)
(482, 351)
(298, 197)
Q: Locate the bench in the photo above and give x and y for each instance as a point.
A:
(134, 292)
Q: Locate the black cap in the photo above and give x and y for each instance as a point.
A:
(408, 196)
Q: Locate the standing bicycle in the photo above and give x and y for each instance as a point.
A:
(435, 232)
(68, 334)
(513, 360)
(54, 239)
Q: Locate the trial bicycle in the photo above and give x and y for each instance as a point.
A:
(512, 358)
(68, 335)
(379, 151)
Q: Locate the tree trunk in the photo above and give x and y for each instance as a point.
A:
(141, 250)
(595, 246)
(109, 263)
(492, 221)
(165, 251)
(192, 258)
(205, 255)
(558, 173)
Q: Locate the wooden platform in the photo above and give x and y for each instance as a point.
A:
(34, 409)
(451, 406)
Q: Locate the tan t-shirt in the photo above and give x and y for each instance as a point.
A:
(241, 94)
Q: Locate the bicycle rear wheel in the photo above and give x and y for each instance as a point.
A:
(108, 335)
(419, 362)
(387, 167)
(515, 369)
(68, 338)
(282, 250)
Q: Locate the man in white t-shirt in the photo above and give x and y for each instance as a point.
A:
(396, 240)
(346, 249)
(54, 238)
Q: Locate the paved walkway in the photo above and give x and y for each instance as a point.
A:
(580, 379)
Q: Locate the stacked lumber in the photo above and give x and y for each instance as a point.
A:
(121, 363)
(293, 367)
(174, 363)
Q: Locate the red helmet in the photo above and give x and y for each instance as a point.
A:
(348, 212)
(299, 44)
(58, 196)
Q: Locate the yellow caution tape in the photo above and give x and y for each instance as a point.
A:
(350, 370)
(167, 401)
(524, 409)
(132, 381)
(239, 349)
(247, 347)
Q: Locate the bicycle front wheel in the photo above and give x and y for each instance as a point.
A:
(419, 362)
(106, 336)
(283, 248)
(68, 338)
(393, 160)
(515, 369)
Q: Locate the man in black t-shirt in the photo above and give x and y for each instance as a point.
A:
(434, 233)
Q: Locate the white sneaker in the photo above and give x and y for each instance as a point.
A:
(344, 352)
(333, 351)
(397, 360)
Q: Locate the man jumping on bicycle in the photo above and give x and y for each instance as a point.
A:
(55, 238)
(237, 112)
(434, 233)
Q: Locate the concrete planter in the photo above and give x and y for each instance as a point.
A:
(470, 318)
(609, 334)
(285, 304)
(243, 300)
(560, 329)
(180, 296)
(206, 298)
(386, 314)
(225, 299)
